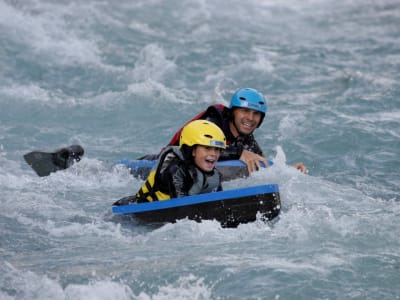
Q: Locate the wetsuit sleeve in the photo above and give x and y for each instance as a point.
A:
(220, 181)
(231, 152)
(256, 148)
(235, 148)
(175, 181)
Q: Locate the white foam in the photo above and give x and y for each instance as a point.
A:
(186, 287)
(99, 290)
(152, 64)
(145, 28)
(32, 286)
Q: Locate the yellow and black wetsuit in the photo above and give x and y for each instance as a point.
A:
(174, 177)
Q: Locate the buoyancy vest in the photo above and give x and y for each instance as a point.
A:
(218, 108)
(202, 183)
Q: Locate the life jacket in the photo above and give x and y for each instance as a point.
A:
(150, 190)
(219, 108)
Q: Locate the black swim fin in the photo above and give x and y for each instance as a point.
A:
(44, 163)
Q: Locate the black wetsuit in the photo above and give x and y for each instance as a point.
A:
(220, 115)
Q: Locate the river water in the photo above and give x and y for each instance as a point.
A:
(119, 77)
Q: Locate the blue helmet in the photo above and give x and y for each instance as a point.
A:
(250, 99)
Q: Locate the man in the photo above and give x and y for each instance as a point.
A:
(245, 113)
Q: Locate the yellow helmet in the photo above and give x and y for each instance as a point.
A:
(202, 132)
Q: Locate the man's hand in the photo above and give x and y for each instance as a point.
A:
(302, 168)
(253, 160)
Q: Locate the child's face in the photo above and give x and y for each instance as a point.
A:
(205, 158)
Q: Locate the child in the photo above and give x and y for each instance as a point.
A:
(188, 169)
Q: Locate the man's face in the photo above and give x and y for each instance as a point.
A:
(246, 120)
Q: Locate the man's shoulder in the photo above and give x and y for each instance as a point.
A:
(217, 106)
(216, 113)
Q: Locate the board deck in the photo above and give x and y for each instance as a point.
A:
(230, 169)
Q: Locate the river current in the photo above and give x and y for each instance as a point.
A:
(119, 77)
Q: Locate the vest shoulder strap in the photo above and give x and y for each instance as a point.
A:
(150, 190)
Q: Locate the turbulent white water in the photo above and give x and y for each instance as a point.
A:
(120, 78)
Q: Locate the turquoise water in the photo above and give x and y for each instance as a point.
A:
(119, 78)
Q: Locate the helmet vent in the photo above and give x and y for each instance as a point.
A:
(208, 136)
(242, 98)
